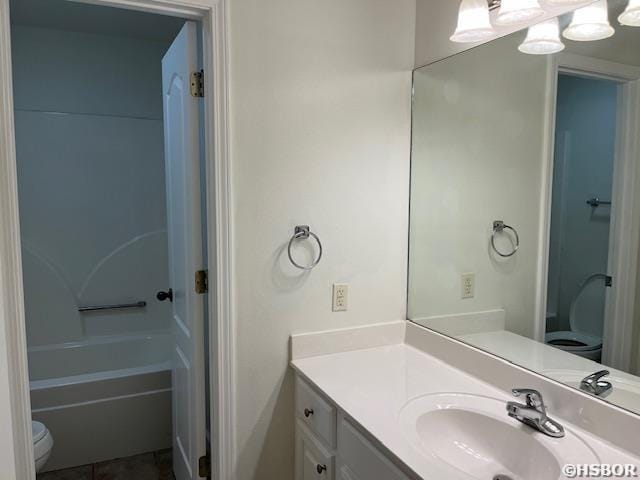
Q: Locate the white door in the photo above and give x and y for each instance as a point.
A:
(184, 224)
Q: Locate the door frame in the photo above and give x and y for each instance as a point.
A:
(624, 234)
(15, 407)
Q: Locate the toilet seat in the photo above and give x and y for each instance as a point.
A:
(576, 341)
(42, 443)
(573, 341)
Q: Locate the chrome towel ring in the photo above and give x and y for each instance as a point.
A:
(498, 227)
(302, 232)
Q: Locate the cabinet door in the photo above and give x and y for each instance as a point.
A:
(359, 459)
(313, 461)
(345, 473)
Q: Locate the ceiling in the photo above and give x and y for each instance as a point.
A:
(82, 17)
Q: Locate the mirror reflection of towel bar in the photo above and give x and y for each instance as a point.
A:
(95, 308)
(596, 202)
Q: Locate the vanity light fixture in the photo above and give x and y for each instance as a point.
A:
(543, 39)
(474, 24)
(513, 12)
(631, 16)
(590, 23)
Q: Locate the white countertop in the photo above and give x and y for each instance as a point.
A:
(373, 385)
(557, 364)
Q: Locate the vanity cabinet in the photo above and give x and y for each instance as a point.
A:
(331, 446)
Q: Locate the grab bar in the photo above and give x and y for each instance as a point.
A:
(596, 202)
(94, 308)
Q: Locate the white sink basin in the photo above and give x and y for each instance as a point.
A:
(475, 436)
(626, 392)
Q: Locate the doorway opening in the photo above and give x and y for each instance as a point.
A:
(578, 274)
(109, 151)
(591, 230)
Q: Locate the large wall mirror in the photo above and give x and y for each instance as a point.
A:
(525, 206)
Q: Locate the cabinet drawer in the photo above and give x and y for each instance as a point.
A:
(358, 458)
(315, 412)
(313, 461)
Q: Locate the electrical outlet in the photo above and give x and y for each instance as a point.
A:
(468, 283)
(340, 297)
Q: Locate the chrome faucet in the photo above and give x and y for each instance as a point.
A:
(594, 384)
(533, 412)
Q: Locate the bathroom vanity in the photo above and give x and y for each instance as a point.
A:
(375, 406)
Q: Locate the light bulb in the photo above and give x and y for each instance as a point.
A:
(543, 39)
(590, 23)
(474, 24)
(518, 11)
(631, 16)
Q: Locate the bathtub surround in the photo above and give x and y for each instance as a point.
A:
(91, 182)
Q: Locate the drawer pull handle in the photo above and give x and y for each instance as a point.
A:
(321, 468)
(308, 412)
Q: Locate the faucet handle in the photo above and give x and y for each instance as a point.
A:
(532, 397)
(595, 377)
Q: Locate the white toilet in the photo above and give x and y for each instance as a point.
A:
(42, 444)
(585, 337)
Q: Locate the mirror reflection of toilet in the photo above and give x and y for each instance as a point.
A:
(42, 444)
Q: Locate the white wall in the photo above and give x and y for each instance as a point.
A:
(320, 124)
(477, 157)
(88, 112)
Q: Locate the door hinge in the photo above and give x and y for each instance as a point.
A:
(197, 84)
(204, 466)
(202, 281)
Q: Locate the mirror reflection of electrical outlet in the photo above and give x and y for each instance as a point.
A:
(340, 297)
(468, 283)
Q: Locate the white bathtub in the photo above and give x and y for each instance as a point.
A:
(104, 398)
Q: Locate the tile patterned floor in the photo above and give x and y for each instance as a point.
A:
(148, 466)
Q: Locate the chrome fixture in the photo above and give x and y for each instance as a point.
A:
(120, 306)
(596, 202)
(594, 384)
(533, 412)
(498, 227)
(303, 232)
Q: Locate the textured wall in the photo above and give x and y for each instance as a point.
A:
(320, 111)
(478, 149)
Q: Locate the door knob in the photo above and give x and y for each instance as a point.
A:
(162, 296)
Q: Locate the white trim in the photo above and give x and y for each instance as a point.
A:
(213, 14)
(11, 291)
(625, 224)
(624, 236)
(542, 268)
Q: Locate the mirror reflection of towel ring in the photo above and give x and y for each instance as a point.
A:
(302, 232)
(498, 227)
